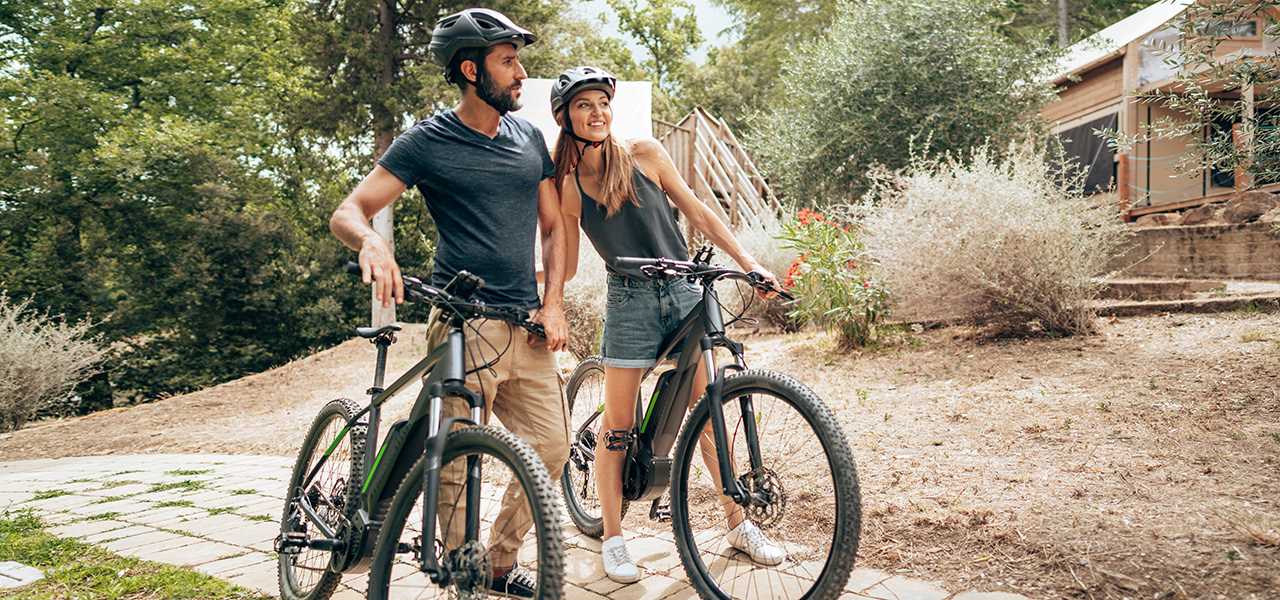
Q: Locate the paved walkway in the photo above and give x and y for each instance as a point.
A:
(219, 515)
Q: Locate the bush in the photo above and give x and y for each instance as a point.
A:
(41, 360)
(1002, 239)
(887, 75)
(832, 280)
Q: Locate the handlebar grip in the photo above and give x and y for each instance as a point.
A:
(352, 267)
(631, 262)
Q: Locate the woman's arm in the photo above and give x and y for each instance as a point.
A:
(655, 160)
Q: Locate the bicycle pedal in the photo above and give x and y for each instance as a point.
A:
(403, 548)
(660, 512)
(290, 543)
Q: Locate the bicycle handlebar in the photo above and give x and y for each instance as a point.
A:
(670, 268)
(418, 291)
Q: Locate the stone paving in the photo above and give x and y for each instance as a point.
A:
(219, 514)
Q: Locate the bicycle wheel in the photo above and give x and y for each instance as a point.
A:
(585, 392)
(509, 468)
(807, 491)
(333, 492)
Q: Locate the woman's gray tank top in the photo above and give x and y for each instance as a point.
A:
(645, 231)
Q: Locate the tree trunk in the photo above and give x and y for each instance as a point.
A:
(384, 132)
(1064, 32)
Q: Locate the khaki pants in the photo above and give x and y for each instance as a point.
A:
(522, 388)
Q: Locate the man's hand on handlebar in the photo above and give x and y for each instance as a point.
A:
(378, 267)
(555, 328)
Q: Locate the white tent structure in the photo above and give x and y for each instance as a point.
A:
(632, 109)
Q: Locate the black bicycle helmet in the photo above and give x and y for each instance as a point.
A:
(474, 28)
(580, 79)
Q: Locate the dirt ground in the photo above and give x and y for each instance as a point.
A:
(1143, 462)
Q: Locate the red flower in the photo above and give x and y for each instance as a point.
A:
(792, 272)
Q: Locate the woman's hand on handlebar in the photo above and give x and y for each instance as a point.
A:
(378, 267)
(765, 276)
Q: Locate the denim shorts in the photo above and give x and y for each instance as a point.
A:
(640, 314)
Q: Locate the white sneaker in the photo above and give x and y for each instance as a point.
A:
(762, 550)
(617, 562)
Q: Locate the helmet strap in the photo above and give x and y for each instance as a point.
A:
(568, 128)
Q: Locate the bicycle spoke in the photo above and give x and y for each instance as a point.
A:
(499, 483)
(796, 474)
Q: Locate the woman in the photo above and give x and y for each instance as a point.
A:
(621, 193)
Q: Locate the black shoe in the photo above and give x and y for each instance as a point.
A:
(519, 582)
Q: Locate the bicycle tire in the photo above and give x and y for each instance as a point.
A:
(534, 480)
(590, 525)
(335, 413)
(829, 583)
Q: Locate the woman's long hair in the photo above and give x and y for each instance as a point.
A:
(616, 185)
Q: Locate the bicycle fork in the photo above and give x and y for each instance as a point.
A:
(438, 433)
(729, 483)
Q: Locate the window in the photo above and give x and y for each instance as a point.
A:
(1084, 148)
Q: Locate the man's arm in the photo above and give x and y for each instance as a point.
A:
(551, 226)
(350, 224)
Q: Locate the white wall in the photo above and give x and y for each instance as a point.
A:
(632, 109)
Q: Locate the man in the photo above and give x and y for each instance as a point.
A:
(486, 178)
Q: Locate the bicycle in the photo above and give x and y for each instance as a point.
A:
(821, 543)
(349, 509)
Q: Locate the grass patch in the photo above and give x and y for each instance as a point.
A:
(187, 472)
(225, 510)
(175, 504)
(259, 518)
(103, 516)
(106, 499)
(47, 494)
(83, 480)
(242, 492)
(74, 569)
(1254, 336)
(189, 485)
(106, 485)
(119, 473)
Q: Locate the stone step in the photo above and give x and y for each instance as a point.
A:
(1143, 288)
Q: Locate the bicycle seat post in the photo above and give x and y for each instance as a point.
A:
(383, 342)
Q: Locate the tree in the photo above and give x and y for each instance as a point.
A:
(742, 78)
(140, 177)
(893, 77)
(668, 36)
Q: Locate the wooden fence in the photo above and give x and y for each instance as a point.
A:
(718, 169)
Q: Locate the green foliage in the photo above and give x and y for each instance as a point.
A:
(891, 74)
(744, 78)
(668, 31)
(831, 280)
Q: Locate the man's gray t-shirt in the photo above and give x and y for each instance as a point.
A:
(483, 195)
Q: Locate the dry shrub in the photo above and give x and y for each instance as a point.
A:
(1000, 238)
(42, 358)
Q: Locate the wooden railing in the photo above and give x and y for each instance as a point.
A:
(718, 168)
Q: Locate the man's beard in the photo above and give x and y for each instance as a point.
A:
(503, 101)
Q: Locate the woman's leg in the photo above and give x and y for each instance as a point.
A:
(620, 388)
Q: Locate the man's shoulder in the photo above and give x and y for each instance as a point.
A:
(437, 124)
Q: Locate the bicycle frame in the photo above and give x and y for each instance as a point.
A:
(659, 423)
(424, 431)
